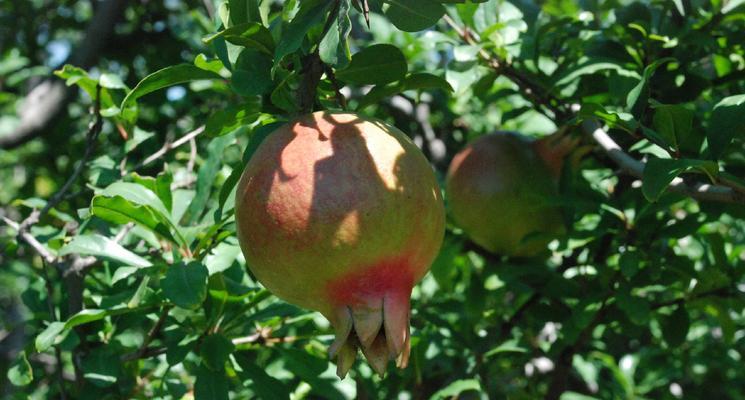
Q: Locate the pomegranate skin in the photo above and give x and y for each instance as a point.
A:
(343, 215)
(500, 193)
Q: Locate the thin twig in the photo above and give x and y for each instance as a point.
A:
(168, 146)
(123, 232)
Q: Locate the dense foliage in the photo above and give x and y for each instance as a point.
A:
(120, 269)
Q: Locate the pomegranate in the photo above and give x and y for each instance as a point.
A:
(500, 192)
(343, 215)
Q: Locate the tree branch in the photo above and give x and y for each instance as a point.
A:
(634, 167)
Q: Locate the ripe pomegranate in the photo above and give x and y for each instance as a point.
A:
(343, 215)
(500, 192)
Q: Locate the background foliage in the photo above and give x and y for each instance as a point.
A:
(121, 275)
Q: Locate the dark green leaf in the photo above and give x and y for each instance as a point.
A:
(252, 73)
(242, 11)
(675, 327)
(231, 118)
(264, 386)
(423, 80)
(185, 285)
(635, 307)
(726, 123)
(660, 172)
(637, 98)
(629, 262)
(101, 366)
(210, 385)
(673, 123)
(414, 15)
(377, 64)
(206, 178)
(215, 350)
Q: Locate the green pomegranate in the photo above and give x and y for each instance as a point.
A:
(501, 193)
(343, 215)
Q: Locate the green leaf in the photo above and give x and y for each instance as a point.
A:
(629, 262)
(675, 327)
(231, 118)
(283, 96)
(423, 80)
(222, 257)
(242, 11)
(119, 210)
(376, 64)
(101, 366)
(569, 395)
(636, 308)
(727, 122)
(77, 76)
(167, 77)
(215, 350)
(637, 98)
(210, 385)
(138, 136)
(50, 336)
(20, 372)
(660, 172)
(111, 81)
(185, 285)
(334, 49)
(414, 15)
(252, 73)
(101, 246)
(206, 177)
(214, 65)
(455, 388)
(250, 35)
(136, 193)
(264, 386)
(589, 67)
(311, 13)
(623, 121)
(86, 316)
(673, 123)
